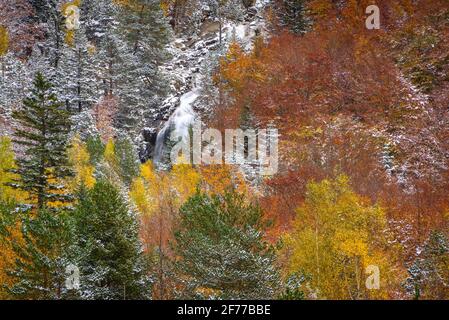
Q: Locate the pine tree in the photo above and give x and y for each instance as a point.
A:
(221, 249)
(14, 82)
(95, 147)
(221, 10)
(97, 17)
(429, 273)
(78, 73)
(43, 133)
(145, 33)
(47, 11)
(127, 160)
(39, 271)
(292, 15)
(110, 256)
(120, 78)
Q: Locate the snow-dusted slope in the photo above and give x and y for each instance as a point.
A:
(186, 69)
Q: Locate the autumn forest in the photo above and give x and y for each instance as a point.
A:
(96, 96)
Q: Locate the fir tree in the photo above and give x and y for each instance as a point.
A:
(126, 155)
(40, 268)
(292, 15)
(429, 273)
(120, 78)
(221, 249)
(47, 12)
(145, 33)
(110, 256)
(78, 73)
(43, 133)
(96, 148)
(14, 80)
(97, 17)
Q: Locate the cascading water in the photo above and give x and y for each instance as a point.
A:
(179, 122)
(188, 58)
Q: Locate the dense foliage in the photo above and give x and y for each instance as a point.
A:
(88, 210)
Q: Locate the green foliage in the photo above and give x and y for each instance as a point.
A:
(39, 270)
(429, 274)
(337, 234)
(108, 251)
(7, 218)
(423, 51)
(126, 155)
(138, 44)
(7, 164)
(293, 288)
(221, 249)
(43, 133)
(292, 15)
(96, 148)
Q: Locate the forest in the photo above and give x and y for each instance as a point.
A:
(95, 204)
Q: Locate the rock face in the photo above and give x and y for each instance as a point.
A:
(185, 70)
(209, 28)
(149, 136)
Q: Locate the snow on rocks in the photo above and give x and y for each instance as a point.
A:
(185, 71)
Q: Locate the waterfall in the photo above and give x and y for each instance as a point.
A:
(179, 122)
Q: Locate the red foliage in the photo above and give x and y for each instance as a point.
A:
(104, 112)
(17, 17)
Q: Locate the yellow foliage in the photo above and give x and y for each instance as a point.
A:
(186, 179)
(7, 163)
(165, 6)
(336, 235)
(80, 159)
(70, 34)
(237, 66)
(109, 152)
(154, 192)
(4, 40)
(7, 258)
(70, 37)
(216, 179)
(91, 49)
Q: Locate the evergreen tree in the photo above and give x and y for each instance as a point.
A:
(145, 32)
(43, 133)
(96, 148)
(77, 73)
(222, 10)
(97, 17)
(40, 268)
(109, 254)
(14, 80)
(292, 15)
(221, 249)
(429, 274)
(127, 160)
(120, 78)
(47, 12)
